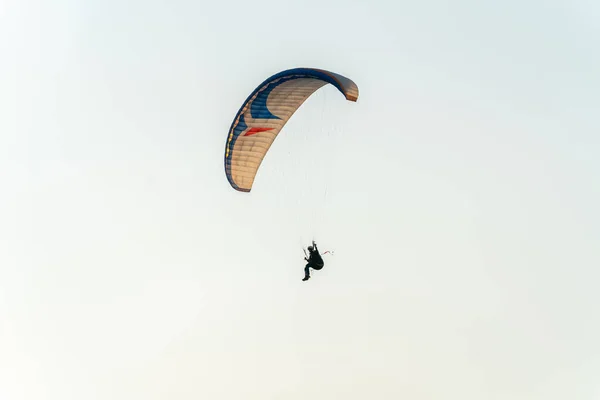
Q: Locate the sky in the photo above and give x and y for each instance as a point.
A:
(459, 194)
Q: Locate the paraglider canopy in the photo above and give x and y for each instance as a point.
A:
(264, 113)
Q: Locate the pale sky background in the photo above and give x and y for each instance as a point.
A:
(462, 202)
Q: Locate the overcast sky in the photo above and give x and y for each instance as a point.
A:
(459, 194)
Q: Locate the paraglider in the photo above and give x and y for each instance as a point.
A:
(315, 261)
(265, 112)
(260, 119)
